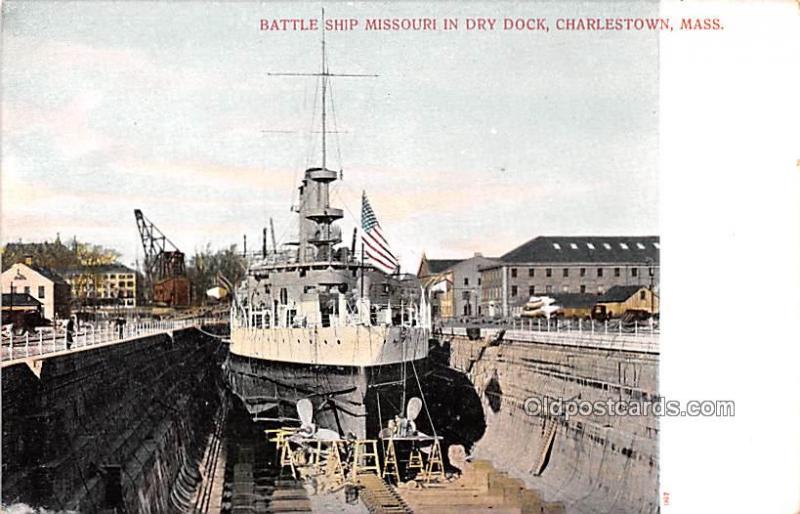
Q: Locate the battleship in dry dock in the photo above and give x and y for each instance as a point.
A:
(321, 322)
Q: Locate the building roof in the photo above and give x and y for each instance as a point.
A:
(20, 300)
(440, 265)
(618, 294)
(45, 272)
(105, 268)
(575, 300)
(558, 249)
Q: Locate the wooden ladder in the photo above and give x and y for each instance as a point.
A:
(390, 462)
(361, 452)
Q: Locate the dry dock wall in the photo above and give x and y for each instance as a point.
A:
(595, 464)
(109, 427)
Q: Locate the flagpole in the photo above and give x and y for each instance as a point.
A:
(362, 269)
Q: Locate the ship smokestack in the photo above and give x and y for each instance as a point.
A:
(264, 244)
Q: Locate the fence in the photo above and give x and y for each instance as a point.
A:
(635, 336)
(55, 339)
(589, 326)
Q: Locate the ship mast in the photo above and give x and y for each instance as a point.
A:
(314, 210)
(324, 88)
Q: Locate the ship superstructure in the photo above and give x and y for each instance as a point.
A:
(314, 320)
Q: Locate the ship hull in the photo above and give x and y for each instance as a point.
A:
(348, 399)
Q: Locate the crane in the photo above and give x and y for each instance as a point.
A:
(164, 265)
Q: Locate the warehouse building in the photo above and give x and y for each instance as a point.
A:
(549, 265)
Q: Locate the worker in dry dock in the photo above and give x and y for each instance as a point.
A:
(70, 331)
(120, 323)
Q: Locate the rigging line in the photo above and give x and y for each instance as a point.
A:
(210, 334)
(335, 127)
(286, 225)
(344, 204)
(424, 403)
(380, 419)
(309, 143)
(403, 358)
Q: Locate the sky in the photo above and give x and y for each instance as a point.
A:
(466, 141)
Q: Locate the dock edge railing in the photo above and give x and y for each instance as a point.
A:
(604, 335)
(46, 340)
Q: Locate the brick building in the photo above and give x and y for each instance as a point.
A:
(455, 284)
(548, 265)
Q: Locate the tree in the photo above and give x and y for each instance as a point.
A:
(205, 264)
(58, 256)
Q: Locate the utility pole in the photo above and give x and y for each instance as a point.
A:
(651, 272)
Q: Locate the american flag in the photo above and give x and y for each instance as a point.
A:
(374, 245)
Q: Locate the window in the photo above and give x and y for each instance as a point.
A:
(479, 281)
(657, 245)
(641, 294)
(590, 246)
(566, 272)
(607, 246)
(565, 289)
(623, 246)
(466, 281)
(513, 290)
(548, 289)
(616, 272)
(573, 246)
(41, 291)
(27, 290)
(640, 246)
(634, 272)
(513, 272)
(583, 272)
(583, 288)
(599, 272)
(530, 272)
(557, 246)
(532, 291)
(548, 272)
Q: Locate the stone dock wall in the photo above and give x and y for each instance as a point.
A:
(591, 463)
(112, 426)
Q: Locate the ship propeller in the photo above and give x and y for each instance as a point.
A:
(305, 412)
(414, 408)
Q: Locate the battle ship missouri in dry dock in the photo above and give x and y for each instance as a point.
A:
(318, 322)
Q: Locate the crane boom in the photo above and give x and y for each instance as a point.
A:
(164, 265)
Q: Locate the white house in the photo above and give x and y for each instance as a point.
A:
(41, 283)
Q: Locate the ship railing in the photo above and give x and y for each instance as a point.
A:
(362, 313)
(46, 340)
